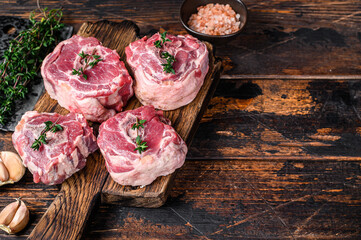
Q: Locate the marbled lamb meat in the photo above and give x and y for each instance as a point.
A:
(117, 141)
(106, 88)
(65, 152)
(168, 91)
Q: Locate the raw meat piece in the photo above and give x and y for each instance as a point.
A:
(108, 85)
(65, 152)
(163, 90)
(166, 150)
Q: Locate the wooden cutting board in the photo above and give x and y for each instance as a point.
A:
(67, 215)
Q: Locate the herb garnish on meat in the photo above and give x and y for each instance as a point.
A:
(24, 57)
(159, 43)
(49, 126)
(167, 67)
(87, 59)
(141, 146)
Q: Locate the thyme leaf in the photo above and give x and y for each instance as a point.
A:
(168, 67)
(49, 126)
(141, 146)
(87, 59)
(159, 43)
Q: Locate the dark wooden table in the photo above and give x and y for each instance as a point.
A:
(278, 152)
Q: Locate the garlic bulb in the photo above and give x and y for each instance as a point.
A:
(11, 168)
(14, 217)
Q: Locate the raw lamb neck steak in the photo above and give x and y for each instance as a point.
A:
(117, 139)
(65, 152)
(104, 90)
(168, 91)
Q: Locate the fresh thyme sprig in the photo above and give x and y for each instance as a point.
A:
(159, 43)
(168, 67)
(86, 57)
(79, 72)
(141, 146)
(138, 124)
(24, 56)
(49, 126)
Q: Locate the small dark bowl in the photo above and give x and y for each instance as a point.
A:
(190, 6)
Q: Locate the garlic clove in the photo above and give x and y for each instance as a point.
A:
(14, 217)
(20, 219)
(14, 166)
(8, 213)
(4, 174)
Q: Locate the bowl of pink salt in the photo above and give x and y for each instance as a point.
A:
(213, 21)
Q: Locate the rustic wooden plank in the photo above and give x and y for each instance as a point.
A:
(281, 38)
(234, 199)
(246, 199)
(281, 119)
(298, 12)
(67, 215)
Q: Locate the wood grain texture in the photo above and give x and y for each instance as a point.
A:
(230, 199)
(281, 119)
(242, 199)
(67, 215)
(282, 37)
